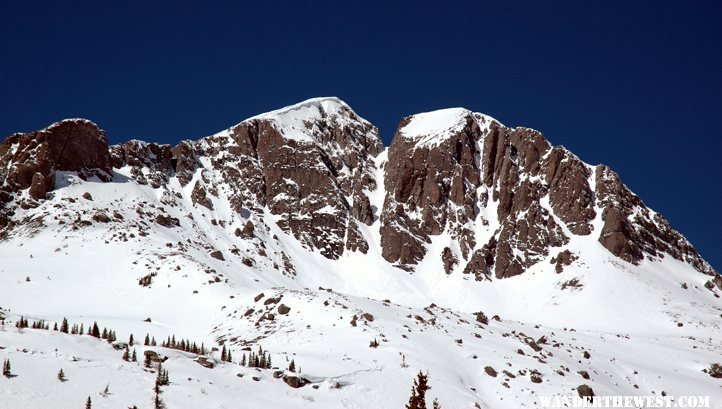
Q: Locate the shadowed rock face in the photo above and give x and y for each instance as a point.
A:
(501, 199)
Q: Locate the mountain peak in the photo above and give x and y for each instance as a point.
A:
(434, 127)
(296, 121)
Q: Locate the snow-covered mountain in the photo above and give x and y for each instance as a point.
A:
(299, 232)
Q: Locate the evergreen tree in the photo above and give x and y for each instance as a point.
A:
(134, 357)
(436, 404)
(61, 375)
(130, 340)
(126, 354)
(104, 335)
(418, 392)
(81, 329)
(55, 327)
(147, 362)
(162, 378)
(88, 404)
(243, 360)
(229, 356)
(64, 326)
(224, 355)
(6, 368)
(152, 342)
(95, 330)
(146, 342)
(292, 366)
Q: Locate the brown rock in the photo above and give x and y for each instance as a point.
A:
(247, 232)
(585, 391)
(167, 221)
(564, 258)
(295, 381)
(206, 362)
(449, 260)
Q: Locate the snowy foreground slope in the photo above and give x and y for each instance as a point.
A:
(292, 231)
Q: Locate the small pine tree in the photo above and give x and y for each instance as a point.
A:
(152, 342)
(418, 392)
(436, 404)
(130, 340)
(134, 357)
(292, 366)
(147, 362)
(55, 327)
(80, 332)
(224, 355)
(229, 357)
(95, 331)
(162, 378)
(146, 342)
(104, 334)
(88, 403)
(61, 375)
(243, 360)
(64, 326)
(6, 368)
(126, 354)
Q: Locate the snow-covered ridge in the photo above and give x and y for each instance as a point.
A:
(295, 121)
(432, 128)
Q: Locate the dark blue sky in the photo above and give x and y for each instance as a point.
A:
(635, 85)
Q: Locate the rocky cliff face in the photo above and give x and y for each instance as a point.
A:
(495, 200)
(507, 199)
(29, 162)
